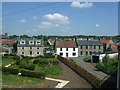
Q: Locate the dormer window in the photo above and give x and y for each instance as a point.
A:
(31, 42)
(22, 42)
(38, 42)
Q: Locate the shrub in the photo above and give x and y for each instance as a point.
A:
(22, 64)
(54, 62)
(36, 61)
(44, 62)
(10, 70)
(18, 62)
(30, 66)
(87, 59)
(29, 73)
(16, 58)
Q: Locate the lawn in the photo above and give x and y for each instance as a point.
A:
(7, 60)
(15, 81)
(46, 65)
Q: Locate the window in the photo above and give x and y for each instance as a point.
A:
(66, 49)
(30, 47)
(81, 47)
(99, 47)
(37, 52)
(94, 47)
(86, 53)
(22, 47)
(60, 49)
(90, 47)
(61, 54)
(86, 47)
(38, 42)
(73, 49)
(74, 54)
(31, 42)
(37, 47)
(22, 52)
(81, 53)
(90, 53)
(22, 42)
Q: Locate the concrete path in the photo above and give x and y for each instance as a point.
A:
(61, 83)
(79, 61)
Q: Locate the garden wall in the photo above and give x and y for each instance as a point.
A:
(94, 81)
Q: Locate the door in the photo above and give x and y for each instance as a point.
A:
(30, 53)
(66, 54)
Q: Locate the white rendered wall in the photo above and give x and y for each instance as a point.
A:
(70, 52)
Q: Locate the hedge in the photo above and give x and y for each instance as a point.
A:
(33, 74)
(10, 70)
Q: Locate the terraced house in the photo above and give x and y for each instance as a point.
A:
(67, 49)
(30, 47)
(87, 47)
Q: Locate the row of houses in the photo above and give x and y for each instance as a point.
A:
(72, 48)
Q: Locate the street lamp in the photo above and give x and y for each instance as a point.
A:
(118, 73)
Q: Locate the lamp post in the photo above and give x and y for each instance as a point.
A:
(118, 73)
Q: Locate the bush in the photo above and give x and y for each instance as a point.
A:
(44, 62)
(22, 64)
(10, 70)
(30, 66)
(13, 54)
(16, 58)
(18, 62)
(87, 59)
(33, 74)
(54, 62)
(36, 61)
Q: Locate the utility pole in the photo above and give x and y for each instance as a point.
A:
(118, 73)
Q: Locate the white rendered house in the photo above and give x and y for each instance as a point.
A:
(67, 49)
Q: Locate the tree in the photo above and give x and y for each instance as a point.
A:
(15, 46)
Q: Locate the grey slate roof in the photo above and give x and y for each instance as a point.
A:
(88, 42)
(30, 45)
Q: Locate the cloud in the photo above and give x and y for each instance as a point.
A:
(31, 31)
(97, 25)
(81, 5)
(57, 18)
(35, 17)
(47, 25)
(63, 30)
(23, 21)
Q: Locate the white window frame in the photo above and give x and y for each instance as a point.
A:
(21, 42)
(38, 41)
(31, 41)
(38, 52)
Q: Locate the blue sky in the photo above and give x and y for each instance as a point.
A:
(67, 18)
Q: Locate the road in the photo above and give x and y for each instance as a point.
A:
(76, 81)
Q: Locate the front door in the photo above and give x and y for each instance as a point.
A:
(66, 54)
(30, 53)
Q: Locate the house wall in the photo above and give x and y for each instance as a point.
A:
(27, 50)
(70, 52)
(90, 49)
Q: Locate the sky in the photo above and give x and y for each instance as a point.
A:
(60, 18)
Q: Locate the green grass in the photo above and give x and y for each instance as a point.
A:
(6, 61)
(15, 81)
(109, 66)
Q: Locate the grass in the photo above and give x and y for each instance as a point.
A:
(15, 81)
(6, 61)
(109, 66)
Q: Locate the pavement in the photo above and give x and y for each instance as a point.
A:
(79, 61)
(75, 81)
